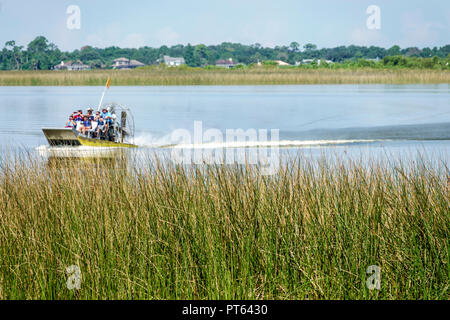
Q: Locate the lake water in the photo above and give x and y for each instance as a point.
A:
(374, 119)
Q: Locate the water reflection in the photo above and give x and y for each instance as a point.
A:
(79, 152)
(102, 158)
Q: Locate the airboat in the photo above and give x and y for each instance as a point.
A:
(119, 134)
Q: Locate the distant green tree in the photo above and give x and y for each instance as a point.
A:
(177, 50)
(201, 55)
(43, 55)
(14, 56)
(393, 51)
(7, 54)
(443, 51)
(256, 46)
(426, 53)
(89, 55)
(309, 47)
(189, 55)
(294, 46)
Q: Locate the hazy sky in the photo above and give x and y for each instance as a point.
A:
(136, 23)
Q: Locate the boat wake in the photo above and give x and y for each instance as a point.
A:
(165, 142)
(147, 140)
(337, 137)
(269, 144)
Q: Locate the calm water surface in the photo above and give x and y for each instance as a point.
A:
(373, 118)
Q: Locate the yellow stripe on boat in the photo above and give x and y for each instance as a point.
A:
(103, 143)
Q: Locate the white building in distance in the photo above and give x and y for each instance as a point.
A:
(124, 63)
(173, 62)
(72, 66)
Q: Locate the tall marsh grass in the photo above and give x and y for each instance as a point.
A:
(223, 232)
(197, 76)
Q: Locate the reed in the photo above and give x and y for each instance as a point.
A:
(223, 232)
(249, 76)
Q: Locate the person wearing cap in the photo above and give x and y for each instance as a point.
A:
(105, 113)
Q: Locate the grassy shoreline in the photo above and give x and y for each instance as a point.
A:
(223, 232)
(194, 76)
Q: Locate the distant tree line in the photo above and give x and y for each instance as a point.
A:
(40, 54)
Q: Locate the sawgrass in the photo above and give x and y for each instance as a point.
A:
(223, 232)
(249, 76)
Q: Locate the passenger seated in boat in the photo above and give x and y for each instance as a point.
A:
(80, 114)
(101, 127)
(86, 125)
(78, 121)
(93, 131)
(71, 123)
(108, 122)
(90, 115)
(105, 113)
(108, 127)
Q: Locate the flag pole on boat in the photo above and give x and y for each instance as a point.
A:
(108, 84)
